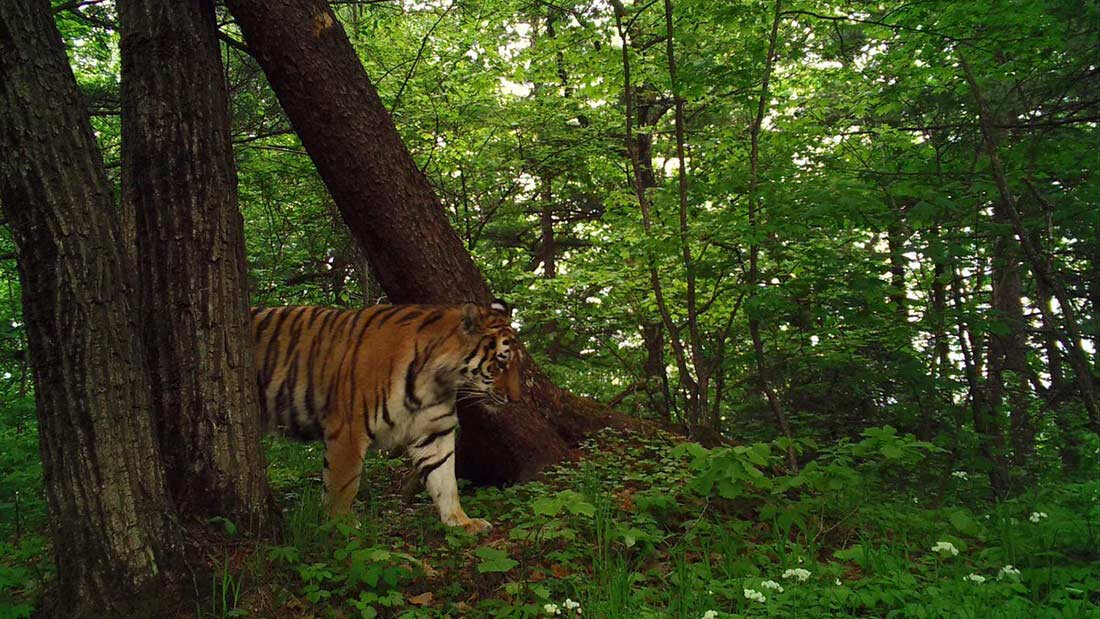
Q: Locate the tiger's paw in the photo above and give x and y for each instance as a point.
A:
(477, 526)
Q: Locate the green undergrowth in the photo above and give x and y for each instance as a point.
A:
(644, 526)
(641, 526)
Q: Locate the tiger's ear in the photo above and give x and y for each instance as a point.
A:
(501, 306)
(471, 318)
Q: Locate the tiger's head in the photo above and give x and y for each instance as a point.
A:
(490, 370)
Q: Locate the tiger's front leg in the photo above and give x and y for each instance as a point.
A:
(433, 458)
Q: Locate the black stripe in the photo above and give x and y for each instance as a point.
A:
(434, 317)
(359, 339)
(376, 408)
(314, 313)
(331, 394)
(355, 321)
(410, 382)
(431, 349)
(475, 350)
(311, 364)
(378, 311)
(330, 315)
(271, 355)
(407, 318)
(265, 321)
(426, 471)
(295, 328)
(389, 314)
(311, 408)
(341, 322)
(292, 382)
(429, 439)
(386, 394)
(322, 340)
(366, 424)
(386, 408)
(444, 415)
(349, 482)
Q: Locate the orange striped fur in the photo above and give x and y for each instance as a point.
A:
(385, 376)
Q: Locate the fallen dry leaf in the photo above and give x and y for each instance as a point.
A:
(423, 599)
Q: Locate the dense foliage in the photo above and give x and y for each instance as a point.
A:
(839, 251)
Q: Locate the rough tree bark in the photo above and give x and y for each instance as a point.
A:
(392, 211)
(178, 177)
(109, 508)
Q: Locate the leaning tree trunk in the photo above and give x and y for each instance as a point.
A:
(179, 179)
(109, 509)
(392, 211)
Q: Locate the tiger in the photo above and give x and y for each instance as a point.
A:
(387, 377)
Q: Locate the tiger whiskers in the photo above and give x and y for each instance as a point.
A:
(471, 396)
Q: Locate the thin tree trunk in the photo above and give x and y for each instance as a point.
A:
(687, 379)
(654, 369)
(546, 246)
(179, 178)
(895, 245)
(754, 247)
(110, 514)
(1071, 337)
(703, 366)
(656, 372)
(989, 437)
(392, 211)
(1007, 347)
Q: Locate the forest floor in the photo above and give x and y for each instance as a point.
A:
(636, 527)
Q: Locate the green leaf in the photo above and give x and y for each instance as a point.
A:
(963, 522)
(494, 560)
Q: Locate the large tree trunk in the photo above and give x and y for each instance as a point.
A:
(109, 508)
(179, 178)
(392, 211)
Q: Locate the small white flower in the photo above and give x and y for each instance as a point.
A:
(945, 548)
(978, 578)
(800, 574)
(710, 614)
(754, 595)
(552, 609)
(838, 583)
(1008, 570)
(963, 475)
(1037, 516)
(571, 605)
(771, 584)
(915, 500)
